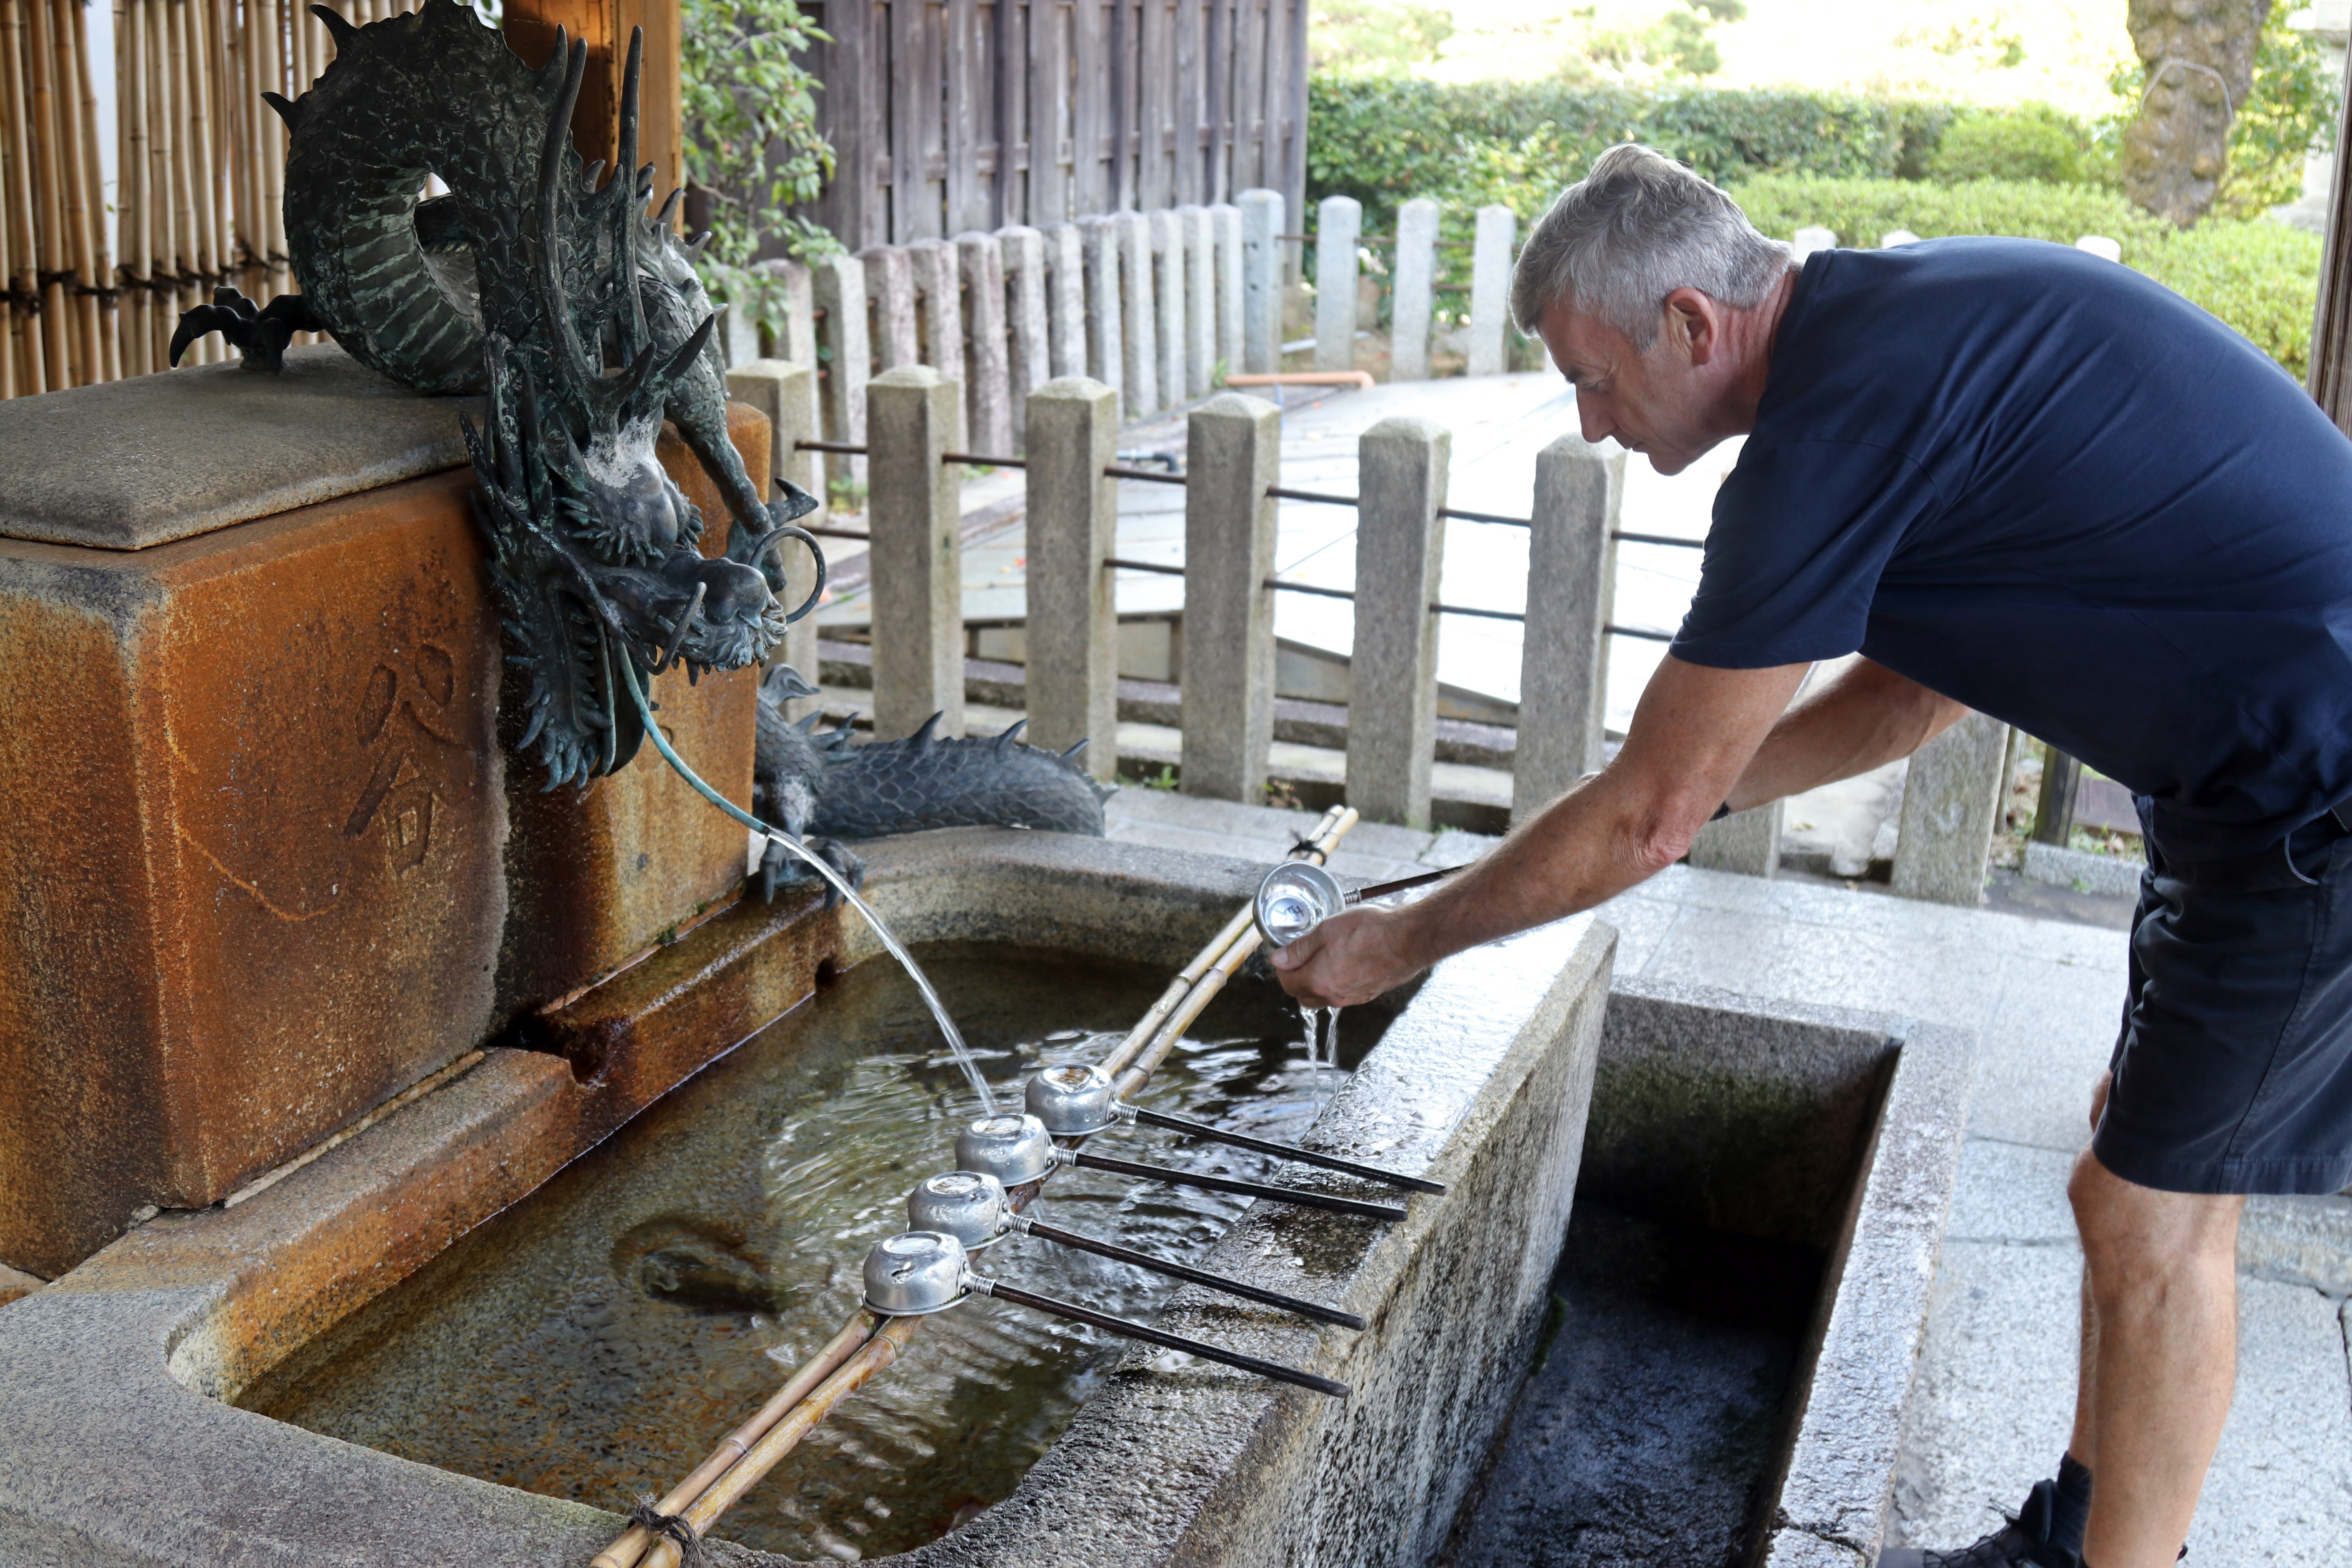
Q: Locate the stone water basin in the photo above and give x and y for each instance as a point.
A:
(126, 1387)
(596, 1340)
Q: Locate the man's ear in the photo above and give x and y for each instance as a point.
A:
(1695, 323)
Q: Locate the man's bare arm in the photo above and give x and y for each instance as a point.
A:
(1865, 718)
(1693, 737)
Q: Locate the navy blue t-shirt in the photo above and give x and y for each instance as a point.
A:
(2048, 487)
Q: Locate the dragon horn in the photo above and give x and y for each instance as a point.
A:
(571, 357)
(285, 110)
(588, 179)
(538, 722)
(1073, 750)
(1012, 731)
(342, 31)
(924, 739)
(624, 215)
(809, 724)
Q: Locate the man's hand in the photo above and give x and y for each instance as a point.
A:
(1354, 956)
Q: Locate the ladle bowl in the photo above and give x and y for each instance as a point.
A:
(915, 1273)
(1013, 1149)
(970, 1205)
(1295, 898)
(1074, 1100)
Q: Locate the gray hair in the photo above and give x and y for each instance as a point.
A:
(1635, 229)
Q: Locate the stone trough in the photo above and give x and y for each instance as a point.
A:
(1839, 1133)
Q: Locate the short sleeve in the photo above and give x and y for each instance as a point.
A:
(1802, 531)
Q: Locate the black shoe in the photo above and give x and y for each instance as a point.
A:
(2023, 1543)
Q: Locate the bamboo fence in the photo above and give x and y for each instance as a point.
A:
(199, 176)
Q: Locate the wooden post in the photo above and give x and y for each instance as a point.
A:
(914, 416)
(1072, 612)
(1338, 223)
(605, 26)
(1233, 445)
(2053, 814)
(1564, 658)
(1401, 465)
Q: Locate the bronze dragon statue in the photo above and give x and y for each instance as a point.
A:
(576, 307)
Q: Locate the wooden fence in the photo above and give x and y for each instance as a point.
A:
(950, 116)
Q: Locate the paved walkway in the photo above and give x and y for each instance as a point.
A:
(1991, 1412)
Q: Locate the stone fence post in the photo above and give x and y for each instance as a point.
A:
(1200, 300)
(1490, 291)
(1415, 285)
(1564, 656)
(939, 280)
(1072, 611)
(1401, 465)
(786, 393)
(1100, 310)
(799, 342)
(1261, 281)
(1338, 225)
(1168, 284)
(1234, 447)
(1066, 297)
(1030, 338)
(914, 416)
(890, 289)
(1952, 794)
(1138, 315)
(1746, 841)
(840, 293)
(1226, 233)
(988, 377)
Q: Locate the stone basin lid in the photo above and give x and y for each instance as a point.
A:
(127, 464)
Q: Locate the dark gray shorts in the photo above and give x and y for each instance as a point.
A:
(2233, 1071)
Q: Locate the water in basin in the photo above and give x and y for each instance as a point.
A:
(596, 1340)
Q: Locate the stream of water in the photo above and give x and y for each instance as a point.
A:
(840, 884)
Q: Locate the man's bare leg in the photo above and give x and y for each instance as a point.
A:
(2160, 1358)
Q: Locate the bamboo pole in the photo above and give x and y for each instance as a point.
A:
(49, 262)
(17, 143)
(188, 243)
(131, 190)
(269, 62)
(1211, 967)
(626, 1552)
(747, 1472)
(162, 243)
(196, 137)
(96, 284)
(12, 319)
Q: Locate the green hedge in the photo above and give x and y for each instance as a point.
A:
(1518, 143)
(2260, 276)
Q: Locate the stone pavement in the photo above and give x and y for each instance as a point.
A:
(1991, 1412)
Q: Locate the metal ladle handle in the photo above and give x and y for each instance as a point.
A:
(1227, 1185)
(1287, 1152)
(1118, 1254)
(1274, 1370)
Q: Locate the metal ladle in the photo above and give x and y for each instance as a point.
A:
(1076, 1100)
(972, 1207)
(1017, 1150)
(919, 1272)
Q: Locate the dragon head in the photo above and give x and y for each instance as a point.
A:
(594, 551)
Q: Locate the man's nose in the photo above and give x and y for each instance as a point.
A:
(1594, 418)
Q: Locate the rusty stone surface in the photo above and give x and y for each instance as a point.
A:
(268, 868)
(600, 873)
(254, 827)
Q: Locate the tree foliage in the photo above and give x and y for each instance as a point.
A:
(752, 148)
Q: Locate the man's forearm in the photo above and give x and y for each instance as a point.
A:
(1867, 717)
